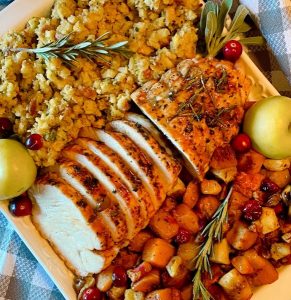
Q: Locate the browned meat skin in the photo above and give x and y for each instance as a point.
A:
(198, 105)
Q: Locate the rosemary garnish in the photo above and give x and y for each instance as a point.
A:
(215, 119)
(212, 232)
(213, 22)
(68, 52)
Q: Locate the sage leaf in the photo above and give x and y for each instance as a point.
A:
(222, 14)
(211, 25)
(254, 40)
(239, 18)
(209, 6)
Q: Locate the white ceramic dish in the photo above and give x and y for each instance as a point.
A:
(14, 17)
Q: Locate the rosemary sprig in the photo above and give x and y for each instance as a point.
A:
(215, 119)
(213, 23)
(212, 233)
(68, 52)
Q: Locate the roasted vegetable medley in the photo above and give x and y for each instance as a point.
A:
(160, 262)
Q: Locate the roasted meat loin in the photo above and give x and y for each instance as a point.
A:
(198, 105)
(103, 191)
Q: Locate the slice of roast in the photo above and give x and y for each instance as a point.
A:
(198, 105)
(129, 208)
(138, 161)
(119, 167)
(150, 127)
(97, 196)
(71, 226)
(167, 166)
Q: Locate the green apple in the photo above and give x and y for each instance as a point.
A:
(268, 124)
(17, 169)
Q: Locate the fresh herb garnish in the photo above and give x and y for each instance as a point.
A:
(68, 52)
(214, 29)
(214, 119)
(212, 232)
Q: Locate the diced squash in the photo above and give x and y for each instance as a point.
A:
(104, 279)
(164, 294)
(164, 224)
(280, 250)
(140, 271)
(242, 264)
(227, 174)
(223, 157)
(210, 187)
(132, 295)
(188, 252)
(137, 244)
(236, 285)
(277, 164)
(126, 258)
(207, 206)
(281, 178)
(264, 271)
(268, 221)
(191, 195)
(220, 254)
(182, 277)
(240, 237)
(286, 237)
(147, 283)
(236, 203)
(158, 252)
(251, 162)
(187, 292)
(178, 189)
(186, 218)
(246, 183)
(174, 265)
(116, 293)
(169, 204)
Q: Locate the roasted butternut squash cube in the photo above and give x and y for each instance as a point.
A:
(235, 285)
(104, 279)
(251, 162)
(280, 250)
(132, 295)
(188, 251)
(268, 221)
(220, 254)
(137, 244)
(240, 237)
(242, 264)
(158, 252)
(186, 218)
(191, 195)
(147, 283)
(164, 294)
(164, 224)
(264, 271)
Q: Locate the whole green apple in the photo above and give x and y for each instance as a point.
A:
(268, 124)
(17, 169)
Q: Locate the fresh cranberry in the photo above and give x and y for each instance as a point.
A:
(20, 206)
(91, 294)
(252, 210)
(119, 276)
(241, 143)
(269, 186)
(34, 142)
(232, 50)
(183, 236)
(6, 127)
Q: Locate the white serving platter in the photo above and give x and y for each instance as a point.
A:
(14, 17)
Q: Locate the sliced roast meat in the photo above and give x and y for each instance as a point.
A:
(138, 161)
(116, 189)
(61, 209)
(166, 165)
(131, 180)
